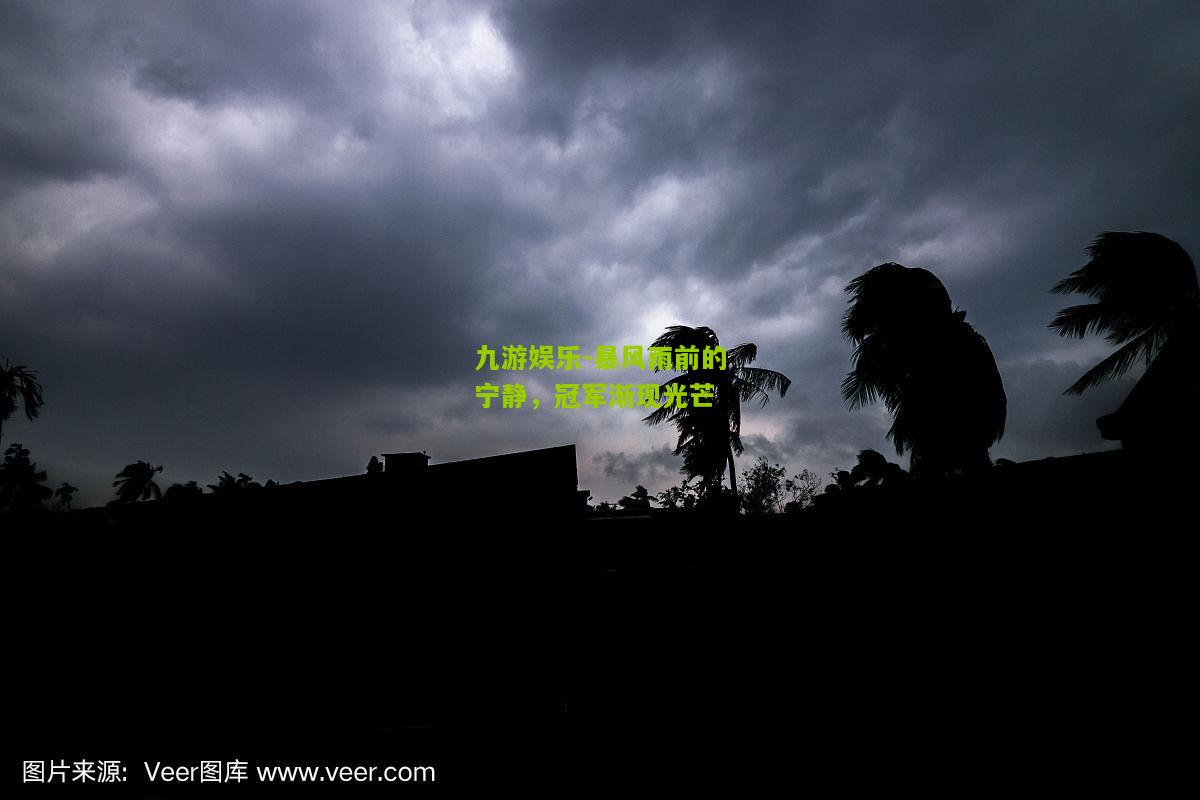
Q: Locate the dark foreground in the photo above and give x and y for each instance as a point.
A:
(1006, 637)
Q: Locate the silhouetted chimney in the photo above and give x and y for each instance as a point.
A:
(399, 463)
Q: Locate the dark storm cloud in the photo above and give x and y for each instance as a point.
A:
(885, 128)
(269, 236)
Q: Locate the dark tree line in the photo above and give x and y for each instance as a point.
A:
(912, 351)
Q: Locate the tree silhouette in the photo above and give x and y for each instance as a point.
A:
(800, 490)
(136, 482)
(21, 489)
(638, 498)
(229, 486)
(762, 488)
(930, 368)
(871, 469)
(182, 492)
(18, 386)
(682, 496)
(769, 490)
(1146, 296)
(64, 494)
(709, 437)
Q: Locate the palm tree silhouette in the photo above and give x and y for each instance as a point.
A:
(709, 437)
(136, 482)
(64, 495)
(930, 368)
(229, 486)
(18, 386)
(1146, 296)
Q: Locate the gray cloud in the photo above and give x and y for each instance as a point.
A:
(658, 467)
(269, 237)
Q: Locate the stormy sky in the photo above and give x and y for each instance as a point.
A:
(269, 236)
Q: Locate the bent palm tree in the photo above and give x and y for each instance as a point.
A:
(136, 482)
(932, 371)
(18, 386)
(709, 437)
(1146, 296)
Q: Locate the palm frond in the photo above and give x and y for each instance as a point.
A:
(747, 392)
(741, 355)
(878, 368)
(1145, 347)
(858, 391)
(667, 413)
(1104, 317)
(759, 380)
(20, 383)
